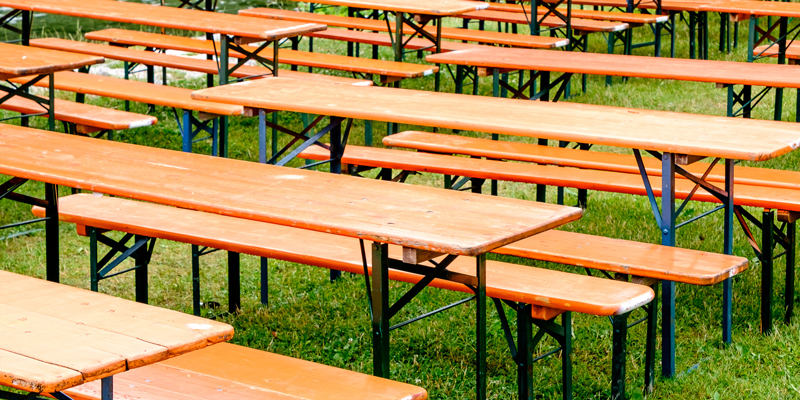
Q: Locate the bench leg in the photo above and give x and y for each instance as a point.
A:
(234, 282)
(265, 281)
(141, 259)
(196, 279)
(650, 344)
(767, 261)
(480, 309)
(51, 232)
(380, 310)
(619, 355)
(566, 356)
(186, 135)
(790, 261)
(524, 352)
(107, 388)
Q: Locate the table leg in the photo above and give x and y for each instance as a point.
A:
(380, 309)
(51, 228)
(668, 287)
(480, 299)
(727, 284)
(223, 80)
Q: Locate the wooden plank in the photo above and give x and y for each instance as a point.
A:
(419, 217)
(727, 72)
(442, 8)
(177, 332)
(757, 8)
(286, 56)
(746, 195)
(733, 138)
(488, 37)
(508, 282)
(93, 352)
(586, 25)
(31, 375)
(184, 63)
(83, 114)
(518, 151)
(142, 92)
(24, 61)
(228, 372)
(630, 18)
(167, 17)
(416, 256)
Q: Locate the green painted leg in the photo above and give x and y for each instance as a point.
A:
(380, 310)
(790, 263)
(196, 280)
(767, 241)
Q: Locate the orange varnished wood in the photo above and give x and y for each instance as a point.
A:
(441, 8)
(183, 63)
(539, 287)
(286, 56)
(745, 195)
(143, 92)
(515, 151)
(24, 61)
(727, 72)
(630, 18)
(170, 329)
(83, 114)
(229, 372)
(419, 217)
(36, 376)
(758, 8)
(469, 35)
(85, 335)
(669, 5)
(792, 51)
(734, 138)
(628, 257)
(177, 18)
(580, 24)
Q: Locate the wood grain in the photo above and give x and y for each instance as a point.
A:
(419, 217)
(83, 114)
(734, 138)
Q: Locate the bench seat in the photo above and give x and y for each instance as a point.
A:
(86, 117)
(226, 371)
(566, 157)
(792, 51)
(550, 292)
(606, 181)
(631, 18)
(286, 56)
(182, 63)
(469, 35)
(578, 24)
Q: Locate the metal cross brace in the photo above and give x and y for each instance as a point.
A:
(190, 126)
(139, 251)
(47, 103)
(24, 31)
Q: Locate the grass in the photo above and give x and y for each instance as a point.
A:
(312, 319)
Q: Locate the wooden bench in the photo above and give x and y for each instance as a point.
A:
(545, 293)
(386, 70)
(469, 35)
(630, 18)
(84, 119)
(228, 371)
(580, 25)
(787, 200)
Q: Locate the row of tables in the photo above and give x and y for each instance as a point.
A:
(366, 209)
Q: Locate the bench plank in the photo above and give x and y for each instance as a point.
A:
(746, 195)
(228, 372)
(142, 92)
(495, 38)
(302, 58)
(83, 114)
(517, 151)
(540, 287)
(419, 217)
(680, 133)
(578, 24)
(631, 18)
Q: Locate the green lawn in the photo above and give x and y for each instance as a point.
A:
(310, 318)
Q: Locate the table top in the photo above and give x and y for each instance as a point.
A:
(167, 17)
(701, 135)
(441, 8)
(770, 8)
(54, 336)
(728, 72)
(420, 217)
(26, 61)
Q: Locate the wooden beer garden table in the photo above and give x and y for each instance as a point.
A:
(425, 221)
(676, 139)
(21, 61)
(54, 337)
(234, 30)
